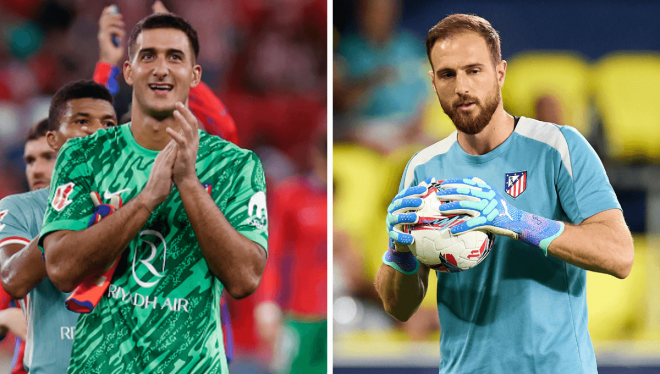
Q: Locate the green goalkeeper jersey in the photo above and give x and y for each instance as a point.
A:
(161, 312)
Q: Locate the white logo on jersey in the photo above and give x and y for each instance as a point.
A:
(61, 197)
(147, 262)
(108, 195)
(257, 206)
(2, 215)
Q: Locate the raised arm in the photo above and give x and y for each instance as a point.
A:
(72, 256)
(235, 260)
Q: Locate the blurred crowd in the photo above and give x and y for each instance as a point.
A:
(264, 59)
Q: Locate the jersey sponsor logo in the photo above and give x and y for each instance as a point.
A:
(67, 332)
(515, 183)
(61, 198)
(147, 262)
(173, 304)
(2, 215)
(257, 211)
(108, 195)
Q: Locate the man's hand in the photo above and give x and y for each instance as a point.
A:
(159, 7)
(492, 213)
(187, 141)
(110, 24)
(402, 212)
(159, 185)
(398, 255)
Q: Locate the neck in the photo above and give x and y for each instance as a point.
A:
(495, 133)
(149, 132)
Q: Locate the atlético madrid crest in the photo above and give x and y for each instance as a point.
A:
(515, 183)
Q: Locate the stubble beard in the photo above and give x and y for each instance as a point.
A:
(470, 123)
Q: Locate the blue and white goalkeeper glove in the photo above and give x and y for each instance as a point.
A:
(492, 213)
(399, 213)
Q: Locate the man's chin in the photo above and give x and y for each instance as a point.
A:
(161, 113)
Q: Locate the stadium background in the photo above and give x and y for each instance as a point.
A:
(594, 65)
(266, 60)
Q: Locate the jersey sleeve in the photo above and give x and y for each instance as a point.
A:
(246, 210)
(69, 204)
(582, 185)
(212, 113)
(14, 227)
(106, 74)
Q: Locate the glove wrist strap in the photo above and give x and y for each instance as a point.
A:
(540, 231)
(403, 262)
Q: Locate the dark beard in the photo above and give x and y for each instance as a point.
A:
(466, 122)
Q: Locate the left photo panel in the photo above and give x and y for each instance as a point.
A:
(163, 187)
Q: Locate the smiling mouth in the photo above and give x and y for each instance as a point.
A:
(161, 87)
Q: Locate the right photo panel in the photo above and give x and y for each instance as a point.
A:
(494, 178)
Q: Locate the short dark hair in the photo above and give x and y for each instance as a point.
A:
(456, 24)
(38, 130)
(81, 89)
(163, 21)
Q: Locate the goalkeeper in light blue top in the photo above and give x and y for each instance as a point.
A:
(539, 187)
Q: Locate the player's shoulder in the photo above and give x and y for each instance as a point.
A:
(437, 149)
(25, 200)
(562, 138)
(215, 146)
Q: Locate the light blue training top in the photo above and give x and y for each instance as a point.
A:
(50, 325)
(519, 311)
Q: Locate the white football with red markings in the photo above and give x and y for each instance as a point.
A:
(436, 247)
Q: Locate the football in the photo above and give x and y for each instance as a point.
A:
(434, 244)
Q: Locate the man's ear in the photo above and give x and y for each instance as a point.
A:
(196, 76)
(501, 72)
(51, 139)
(433, 81)
(128, 73)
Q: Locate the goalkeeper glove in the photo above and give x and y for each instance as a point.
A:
(492, 213)
(399, 213)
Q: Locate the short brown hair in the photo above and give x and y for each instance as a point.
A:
(456, 24)
(38, 130)
(164, 21)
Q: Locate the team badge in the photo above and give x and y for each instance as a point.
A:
(515, 183)
(61, 198)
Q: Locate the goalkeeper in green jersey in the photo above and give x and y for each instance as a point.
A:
(193, 221)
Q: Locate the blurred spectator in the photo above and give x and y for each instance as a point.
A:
(292, 315)
(39, 157)
(380, 92)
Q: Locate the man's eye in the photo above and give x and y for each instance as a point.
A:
(81, 122)
(109, 124)
(147, 56)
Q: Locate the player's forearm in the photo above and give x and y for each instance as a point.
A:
(23, 270)
(601, 243)
(72, 256)
(401, 294)
(235, 260)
